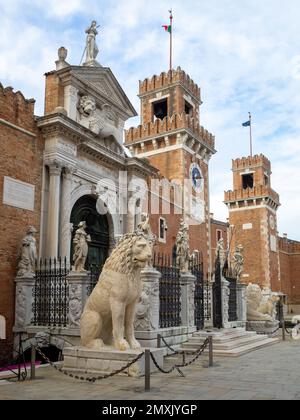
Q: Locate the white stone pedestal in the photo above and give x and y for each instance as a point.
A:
(78, 295)
(108, 360)
(187, 283)
(263, 327)
(24, 302)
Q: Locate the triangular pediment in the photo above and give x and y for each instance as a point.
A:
(104, 83)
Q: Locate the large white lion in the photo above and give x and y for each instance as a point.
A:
(109, 314)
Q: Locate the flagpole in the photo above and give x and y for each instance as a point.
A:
(171, 41)
(251, 141)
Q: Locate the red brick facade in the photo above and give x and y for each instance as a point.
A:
(20, 159)
(289, 254)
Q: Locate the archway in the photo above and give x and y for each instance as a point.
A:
(85, 210)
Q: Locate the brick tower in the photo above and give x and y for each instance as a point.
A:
(171, 138)
(253, 209)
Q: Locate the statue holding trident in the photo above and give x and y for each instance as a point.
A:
(91, 48)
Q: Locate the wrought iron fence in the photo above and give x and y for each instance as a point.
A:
(51, 293)
(196, 268)
(169, 291)
(232, 312)
(94, 274)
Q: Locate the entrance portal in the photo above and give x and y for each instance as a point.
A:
(97, 227)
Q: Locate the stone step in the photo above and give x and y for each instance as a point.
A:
(222, 338)
(240, 351)
(230, 344)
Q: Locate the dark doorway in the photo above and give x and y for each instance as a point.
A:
(97, 227)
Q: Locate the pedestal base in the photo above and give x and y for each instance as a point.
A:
(262, 327)
(108, 360)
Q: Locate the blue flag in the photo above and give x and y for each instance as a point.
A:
(247, 124)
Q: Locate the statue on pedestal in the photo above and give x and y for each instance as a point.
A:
(109, 315)
(92, 49)
(182, 248)
(220, 253)
(81, 248)
(144, 228)
(254, 300)
(28, 258)
(238, 262)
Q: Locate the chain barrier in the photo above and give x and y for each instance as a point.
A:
(179, 353)
(275, 332)
(88, 379)
(197, 354)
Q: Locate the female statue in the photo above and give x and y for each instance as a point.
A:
(81, 248)
(91, 46)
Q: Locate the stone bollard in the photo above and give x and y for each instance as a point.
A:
(24, 302)
(187, 283)
(78, 295)
(241, 304)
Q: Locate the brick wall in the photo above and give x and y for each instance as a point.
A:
(289, 252)
(21, 159)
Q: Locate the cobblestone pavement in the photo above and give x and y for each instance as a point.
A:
(268, 374)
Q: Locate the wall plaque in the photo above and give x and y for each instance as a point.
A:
(18, 194)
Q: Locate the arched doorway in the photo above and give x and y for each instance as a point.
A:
(84, 210)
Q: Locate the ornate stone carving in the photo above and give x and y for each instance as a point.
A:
(20, 306)
(220, 252)
(26, 265)
(110, 311)
(254, 300)
(225, 302)
(182, 247)
(102, 121)
(92, 49)
(81, 241)
(144, 311)
(191, 304)
(238, 262)
(75, 305)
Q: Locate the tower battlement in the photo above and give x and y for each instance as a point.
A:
(250, 162)
(165, 80)
(167, 125)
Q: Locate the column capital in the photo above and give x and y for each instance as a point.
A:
(68, 172)
(55, 168)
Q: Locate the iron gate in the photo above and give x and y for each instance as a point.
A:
(217, 296)
(232, 312)
(196, 268)
(51, 293)
(169, 291)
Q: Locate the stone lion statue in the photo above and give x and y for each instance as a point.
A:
(109, 314)
(254, 300)
(269, 307)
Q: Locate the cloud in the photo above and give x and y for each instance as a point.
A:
(244, 55)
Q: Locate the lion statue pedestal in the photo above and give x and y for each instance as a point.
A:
(107, 323)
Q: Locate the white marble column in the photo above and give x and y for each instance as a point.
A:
(66, 226)
(53, 211)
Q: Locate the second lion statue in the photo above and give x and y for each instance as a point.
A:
(109, 314)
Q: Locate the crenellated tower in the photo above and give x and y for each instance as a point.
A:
(253, 206)
(171, 138)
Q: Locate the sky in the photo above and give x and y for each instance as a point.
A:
(245, 56)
